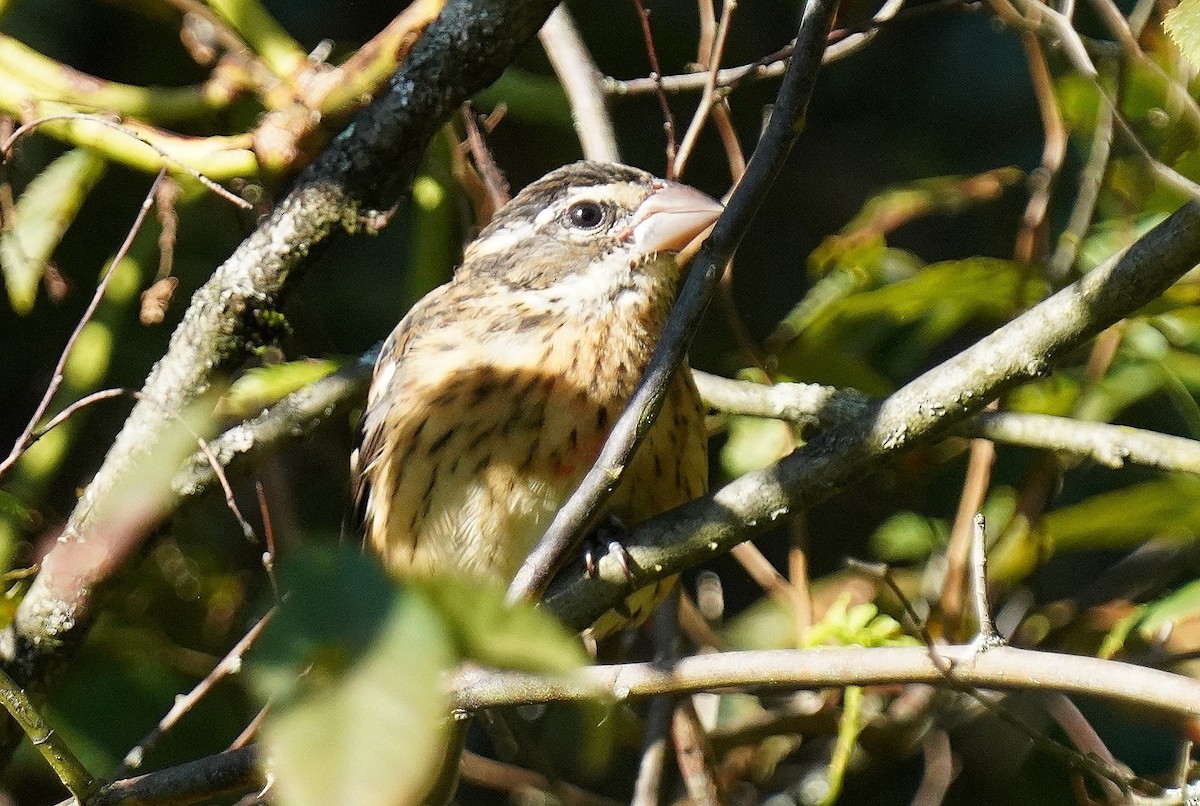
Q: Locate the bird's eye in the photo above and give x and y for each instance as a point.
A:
(585, 215)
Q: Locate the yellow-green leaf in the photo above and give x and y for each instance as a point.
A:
(44, 211)
(1183, 26)
(353, 666)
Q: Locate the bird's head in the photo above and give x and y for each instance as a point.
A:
(588, 219)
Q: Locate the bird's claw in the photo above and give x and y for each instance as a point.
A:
(614, 548)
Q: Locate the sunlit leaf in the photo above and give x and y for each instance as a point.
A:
(898, 323)
(907, 536)
(1171, 610)
(44, 212)
(1169, 505)
(753, 443)
(1182, 24)
(493, 633)
(260, 387)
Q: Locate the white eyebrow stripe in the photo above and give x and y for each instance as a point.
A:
(502, 239)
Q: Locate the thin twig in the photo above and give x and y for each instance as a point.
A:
(712, 61)
(656, 76)
(1085, 738)
(843, 43)
(694, 755)
(194, 782)
(501, 777)
(74, 776)
(56, 377)
(485, 164)
(986, 635)
(215, 187)
(1031, 237)
(647, 786)
(1091, 179)
(938, 772)
(974, 492)
(268, 555)
(230, 664)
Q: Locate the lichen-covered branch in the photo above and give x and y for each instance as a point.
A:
(364, 168)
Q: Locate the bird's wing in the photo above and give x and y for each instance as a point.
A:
(389, 377)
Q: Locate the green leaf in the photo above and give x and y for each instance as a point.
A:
(13, 510)
(897, 324)
(528, 97)
(260, 387)
(493, 633)
(1169, 505)
(1182, 24)
(44, 211)
(754, 443)
(907, 536)
(353, 665)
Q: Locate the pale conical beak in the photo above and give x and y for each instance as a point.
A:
(671, 217)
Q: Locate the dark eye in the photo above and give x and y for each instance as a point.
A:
(585, 215)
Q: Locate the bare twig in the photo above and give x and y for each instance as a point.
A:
(986, 635)
(498, 776)
(694, 756)
(656, 76)
(1090, 180)
(194, 782)
(711, 60)
(268, 555)
(647, 786)
(74, 776)
(978, 479)
(1108, 445)
(133, 134)
(230, 664)
(938, 773)
(1084, 737)
(1031, 238)
(774, 64)
(56, 378)
(581, 81)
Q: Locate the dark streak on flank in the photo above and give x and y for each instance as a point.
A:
(440, 442)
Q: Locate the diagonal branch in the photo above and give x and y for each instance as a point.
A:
(463, 51)
(787, 121)
(1024, 348)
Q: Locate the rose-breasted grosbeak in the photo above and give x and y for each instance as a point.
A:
(492, 397)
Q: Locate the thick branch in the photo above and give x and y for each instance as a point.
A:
(1023, 349)
(463, 51)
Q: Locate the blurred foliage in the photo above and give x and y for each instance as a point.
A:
(886, 246)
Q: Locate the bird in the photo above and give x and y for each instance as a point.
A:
(496, 391)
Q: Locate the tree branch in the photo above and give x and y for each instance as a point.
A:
(960, 666)
(464, 50)
(1024, 348)
(785, 125)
